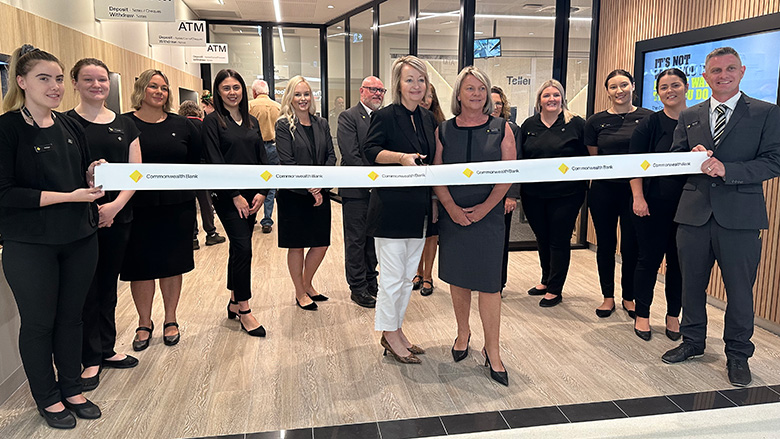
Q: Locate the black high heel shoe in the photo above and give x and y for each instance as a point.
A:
(499, 377)
(644, 335)
(257, 332)
(460, 355)
(318, 297)
(310, 307)
(231, 315)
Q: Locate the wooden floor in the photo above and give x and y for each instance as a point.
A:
(326, 368)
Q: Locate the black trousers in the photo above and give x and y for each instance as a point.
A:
(50, 283)
(738, 253)
(100, 305)
(206, 214)
(359, 254)
(239, 232)
(657, 236)
(608, 202)
(552, 220)
(505, 262)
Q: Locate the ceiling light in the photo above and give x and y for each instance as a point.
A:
(331, 6)
(338, 27)
(281, 36)
(437, 30)
(278, 13)
(221, 2)
(530, 33)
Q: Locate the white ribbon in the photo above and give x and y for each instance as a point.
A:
(149, 176)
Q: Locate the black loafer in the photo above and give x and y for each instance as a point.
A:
(126, 363)
(171, 340)
(682, 353)
(62, 420)
(85, 410)
(534, 292)
(739, 372)
(363, 299)
(548, 303)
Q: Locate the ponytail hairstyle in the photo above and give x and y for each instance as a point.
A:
(23, 60)
(287, 111)
(219, 106)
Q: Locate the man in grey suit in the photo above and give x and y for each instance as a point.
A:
(359, 254)
(722, 210)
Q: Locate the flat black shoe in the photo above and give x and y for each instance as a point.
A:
(499, 377)
(682, 353)
(128, 362)
(310, 307)
(363, 299)
(318, 297)
(426, 291)
(171, 340)
(604, 313)
(90, 383)
(535, 292)
(230, 314)
(257, 332)
(644, 335)
(417, 282)
(739, 372)
(631, 313)
(63, 420)
(673, 336)
(547, 303)
(460, 355)
(85, 410)
(139, 345)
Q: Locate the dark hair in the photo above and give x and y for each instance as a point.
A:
(23, 60)
(674, 71)
(80, 64)
(243, 106)
(435, 107)
(618, 72)
(505, 110)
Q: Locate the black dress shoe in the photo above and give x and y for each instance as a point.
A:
(373, 290)
(673, 336)
(139, 345)
(171, 340)
(644, 335)
(604, 313)
(310, 307)
(682, 353)
(257, 332)
(499, 377)
(128, 362)
(426, 291)
(417, 282)
(63, 420)
(631, 312)
(534, 292)
(363, 299)
(547, 303)
(318, 297)
(90, 383)
(85, 410)
(460, 355)
(739, 372)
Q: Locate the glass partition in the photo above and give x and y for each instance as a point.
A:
(297, 52)
(438, 27)
(393, 37)
(361, 43)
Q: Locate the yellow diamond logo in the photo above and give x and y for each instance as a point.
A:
(468, 172)
(136, 176)
(645, 164)
(266, 175)
(563, 168)
(373, 175)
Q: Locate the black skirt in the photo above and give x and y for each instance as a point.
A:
(160, 242)
(300, 224)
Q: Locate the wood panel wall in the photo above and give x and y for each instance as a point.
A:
(622, 24)
(69, 45)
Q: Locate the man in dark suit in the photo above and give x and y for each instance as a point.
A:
(722, 210)
(359, 254)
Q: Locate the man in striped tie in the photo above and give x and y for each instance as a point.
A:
(722, 210)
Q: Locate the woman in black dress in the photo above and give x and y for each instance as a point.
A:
(655, 204)
(609, 132)
(304, 215)
(552, 207)
(113, 138)
(471, 220)
(160, 244)
(48, 221)
(232, 136)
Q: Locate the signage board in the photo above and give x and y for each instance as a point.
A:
(135, 10)
(178, 33)
(216, 53)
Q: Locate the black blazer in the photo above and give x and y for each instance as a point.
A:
(352, 133)
(297, 150)
(399, 212)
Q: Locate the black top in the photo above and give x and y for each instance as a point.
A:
(235, 145)
(655, 134)
(110, 141)
(611, 133)
(514, 190)
(559, 140)
(298, 149)
(32, 160)
(174, 140)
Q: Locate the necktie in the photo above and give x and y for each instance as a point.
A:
(720, 124)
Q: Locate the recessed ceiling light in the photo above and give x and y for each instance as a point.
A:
(437, 30)
(338, 27)
(530, 33)
(331, 6)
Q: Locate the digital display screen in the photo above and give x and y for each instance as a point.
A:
(760, 54)
(487, 48)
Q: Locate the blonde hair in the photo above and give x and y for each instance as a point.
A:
(139, 89)
(398, 65)
(567, 115)
(23, 60)
(287, 112)
(481, 77)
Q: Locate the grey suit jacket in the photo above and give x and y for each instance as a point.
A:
(750, 152)
(351, 134)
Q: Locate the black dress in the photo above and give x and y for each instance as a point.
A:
(470, 257)
(161, 234)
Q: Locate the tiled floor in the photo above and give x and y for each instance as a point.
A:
(531, 417)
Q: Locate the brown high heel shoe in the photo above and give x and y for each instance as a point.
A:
(416, 350)
(409, 359)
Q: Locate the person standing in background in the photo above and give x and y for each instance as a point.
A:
(359, 252)
(266, 111)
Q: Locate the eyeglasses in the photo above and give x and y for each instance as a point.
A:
(374, 90)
